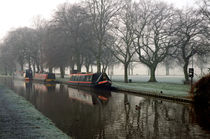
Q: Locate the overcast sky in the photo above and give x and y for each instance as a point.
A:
(20, 13)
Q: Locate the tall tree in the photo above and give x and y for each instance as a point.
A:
(23, 44)
(154, 33)
(40, 25)
(7, 59)
(190, 38)
(73, 21)
(56, 50)
(124, 49)
(102, 14)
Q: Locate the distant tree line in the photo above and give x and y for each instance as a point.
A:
(104, 33)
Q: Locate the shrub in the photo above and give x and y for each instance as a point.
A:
(201, 90)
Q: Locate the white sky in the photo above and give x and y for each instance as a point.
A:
(20, 13)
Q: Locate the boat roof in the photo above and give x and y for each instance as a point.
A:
(82, 74)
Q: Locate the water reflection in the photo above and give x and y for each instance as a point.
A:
(90, 98)
(97, 114)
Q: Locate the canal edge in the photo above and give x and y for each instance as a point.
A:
(38, 122)
(156, 95)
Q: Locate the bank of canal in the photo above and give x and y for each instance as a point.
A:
(19, 119)
(97, 114)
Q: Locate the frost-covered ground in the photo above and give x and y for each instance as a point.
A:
(169, 89)
(144, 78)
(169, 85)
(19, 119)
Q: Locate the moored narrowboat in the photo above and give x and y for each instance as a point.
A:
(45, 77)
(98, 80)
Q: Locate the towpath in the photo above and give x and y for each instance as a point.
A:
(19, 119)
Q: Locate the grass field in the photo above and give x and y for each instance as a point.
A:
(166, 88)
(168, 85)
(144, 78)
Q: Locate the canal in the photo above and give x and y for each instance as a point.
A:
(87, 114)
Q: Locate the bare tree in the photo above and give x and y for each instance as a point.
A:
(124, 49)
(102, 12)
(7, 59)
(154, 33)
(190, 38)
(75, 24)
(205, 9)
(56, 50)
(40, 25)
(23, 45)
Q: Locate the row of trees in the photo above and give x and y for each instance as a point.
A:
(108, 32)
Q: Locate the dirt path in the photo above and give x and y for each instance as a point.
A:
(19, 119)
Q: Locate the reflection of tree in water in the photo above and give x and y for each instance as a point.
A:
(171, 119)
(157, 119)
(134, 124)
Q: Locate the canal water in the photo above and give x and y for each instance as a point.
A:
(88, 114)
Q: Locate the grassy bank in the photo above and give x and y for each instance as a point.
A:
(171, 89)
(20, 119)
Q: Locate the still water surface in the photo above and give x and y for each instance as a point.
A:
(87, 114)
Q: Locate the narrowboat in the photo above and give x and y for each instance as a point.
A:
(45, 77)
(98, 80)
(28, 75)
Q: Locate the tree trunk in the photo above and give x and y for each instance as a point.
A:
(99, 57)
(50, 69)
(79, 66)
(42, 69)
(98, 65)
(167, 69)
(105, 68)
(29, 63)
(71, 68)
(62, 71)
(34, 68)
(102, 70)
(152, 73)
(38, 68)
(126, 73)
(92, 68)
(87, 68)
(185, 71)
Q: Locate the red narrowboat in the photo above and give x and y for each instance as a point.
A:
(98, 80)
(46, 77)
